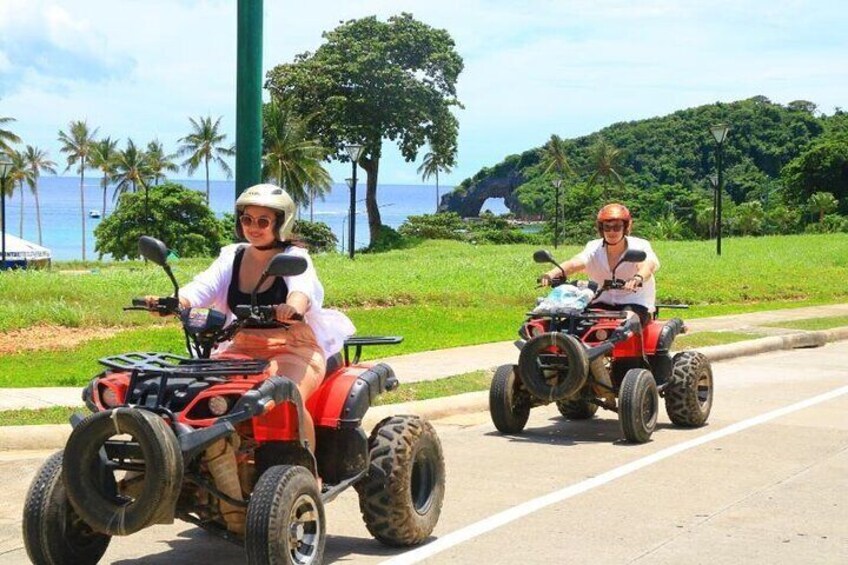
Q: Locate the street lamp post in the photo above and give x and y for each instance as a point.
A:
(714, 184)
(720, 134)
(354, 151)
(557, 183)
(5, 167)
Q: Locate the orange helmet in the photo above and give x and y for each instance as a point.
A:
(611, 212)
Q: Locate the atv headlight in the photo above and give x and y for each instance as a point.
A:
(601, 335)
(218, 405)
(110, 397)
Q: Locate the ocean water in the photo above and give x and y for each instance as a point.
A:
(61, 222)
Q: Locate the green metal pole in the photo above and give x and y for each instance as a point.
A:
(249, 95)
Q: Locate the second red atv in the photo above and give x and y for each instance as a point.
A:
(584, 358)
(219, 443)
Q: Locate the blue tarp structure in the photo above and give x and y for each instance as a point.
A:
(21, 254)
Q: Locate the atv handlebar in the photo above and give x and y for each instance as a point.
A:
(165, 305)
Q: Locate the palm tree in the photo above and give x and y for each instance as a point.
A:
(202, 145)
(605, 159)
(435, 161)
(103, 156)
(555, 157)
(77, 144)
(822, 203)
(37, 161)
(158, 161)
(6, 136)
(291, 158)
(131, 169)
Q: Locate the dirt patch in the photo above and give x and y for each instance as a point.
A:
(41, 338)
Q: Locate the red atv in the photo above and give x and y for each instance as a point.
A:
(584, 357)
(218, 443)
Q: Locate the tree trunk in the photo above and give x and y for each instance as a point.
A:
(82, 203)
(437, 190)
(311, 203)
(37, 208)
(105, 184)
(372, 167)
(206, 162)
(21, 226)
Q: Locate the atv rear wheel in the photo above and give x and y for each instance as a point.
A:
(285, 519)
(638, 405)
(401, 496)
(509, 403)
(89, 485)
(689, 396)
(54, 534)
(577, 409)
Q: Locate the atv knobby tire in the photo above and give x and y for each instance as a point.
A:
(509, 403)
(54, 534)
(689, 395)
(638, 405)
(548, 383)
(401, 496)
(87, 482)
(285, 519)
(577, 409)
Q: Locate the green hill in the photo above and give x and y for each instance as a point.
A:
(775, 158)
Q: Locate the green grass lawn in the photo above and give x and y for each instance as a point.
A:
(438, 294)
(813, 324)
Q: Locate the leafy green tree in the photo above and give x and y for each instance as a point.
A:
(6, 136)
(822, 203)
(104, 155)
(434, 162)
(446, 225)
(372, 80)
(77, 144)
(782, 220)
(36, 161)
(823, 167)
(158, 162)
(204, 144)
(317, 235)
(178, 216)
(291, 157)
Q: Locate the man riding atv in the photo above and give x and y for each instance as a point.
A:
(614, 224)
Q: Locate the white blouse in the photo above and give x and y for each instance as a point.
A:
(594, 256)
(209, 290)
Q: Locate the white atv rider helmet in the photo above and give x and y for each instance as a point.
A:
(268, 196)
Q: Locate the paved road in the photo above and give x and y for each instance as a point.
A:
(766, 481)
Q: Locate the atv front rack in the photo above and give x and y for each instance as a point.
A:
(157, 364)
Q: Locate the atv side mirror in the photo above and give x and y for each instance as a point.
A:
(633, 256)
(153, 250)
(280, 265)
(543, 256)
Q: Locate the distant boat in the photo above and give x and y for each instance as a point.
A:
(94, 213)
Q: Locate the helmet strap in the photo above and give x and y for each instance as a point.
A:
(275, 245)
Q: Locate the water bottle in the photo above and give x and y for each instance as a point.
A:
(564, 299)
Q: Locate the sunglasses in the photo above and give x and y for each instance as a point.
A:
(616, 227)
(262, 222)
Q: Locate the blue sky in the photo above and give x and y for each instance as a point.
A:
(140, 68)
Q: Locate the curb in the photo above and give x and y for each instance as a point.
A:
(46, 437)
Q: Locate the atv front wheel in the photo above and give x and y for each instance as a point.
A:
(577, 409)
(285, 519)
(689, 396)
(638, 405)
(401, 496)
(509, 403)
(54, 534)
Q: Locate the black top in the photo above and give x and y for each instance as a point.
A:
(276, 294)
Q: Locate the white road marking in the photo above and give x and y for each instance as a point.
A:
(502, 518)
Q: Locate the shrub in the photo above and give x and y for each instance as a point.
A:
(317, 235)
(446, 225)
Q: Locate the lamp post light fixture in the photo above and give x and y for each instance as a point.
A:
(557, 183)
(720, 134)
(5, 167)
(354, 151)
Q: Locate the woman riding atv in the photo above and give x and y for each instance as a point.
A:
(297, 351)
(600, 256)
